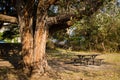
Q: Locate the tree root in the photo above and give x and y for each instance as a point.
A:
(48, 73)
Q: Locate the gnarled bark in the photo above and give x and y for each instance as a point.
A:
(40, 37)
(27, 40)
(33, 41)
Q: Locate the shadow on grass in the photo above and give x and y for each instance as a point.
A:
(10, 52)
(7, 73)
(60, 60)
(65, 61)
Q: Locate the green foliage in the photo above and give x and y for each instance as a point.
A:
(1, 36)
(100, 32)
(11, 33)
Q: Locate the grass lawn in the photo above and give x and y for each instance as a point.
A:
(60, 61)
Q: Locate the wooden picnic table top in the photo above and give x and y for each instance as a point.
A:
(85, 55)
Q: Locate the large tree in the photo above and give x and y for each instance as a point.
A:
(35, 24)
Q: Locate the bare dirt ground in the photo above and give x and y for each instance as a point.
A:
(60, 61)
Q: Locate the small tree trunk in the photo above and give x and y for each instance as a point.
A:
(103, 46)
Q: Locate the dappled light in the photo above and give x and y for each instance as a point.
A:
(12, 53)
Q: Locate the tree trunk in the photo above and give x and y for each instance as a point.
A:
(40, 61)
(39, 42)
(27, 40)
(33, 47)
(34, 42)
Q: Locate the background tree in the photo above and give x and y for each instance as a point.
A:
(99, 32)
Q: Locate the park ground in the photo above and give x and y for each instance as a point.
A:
(60, 61)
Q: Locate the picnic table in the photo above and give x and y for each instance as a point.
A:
(87, 59)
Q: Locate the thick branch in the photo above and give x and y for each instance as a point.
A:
(56, 27)
(7, 18)
(59, 19)
(59, 22)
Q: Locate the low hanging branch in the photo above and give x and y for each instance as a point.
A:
(59, 19)
(7, 18)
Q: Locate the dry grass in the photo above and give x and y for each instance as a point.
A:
(109, 70)
(60, 59)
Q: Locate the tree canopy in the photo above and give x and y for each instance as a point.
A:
(38, 18)
(99, 32)
(65, 9)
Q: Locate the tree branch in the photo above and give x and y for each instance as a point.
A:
(7, 18)
(57, 27)
(60, 21)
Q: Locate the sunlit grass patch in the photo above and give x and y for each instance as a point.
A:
(109, 70)
(111, 58)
